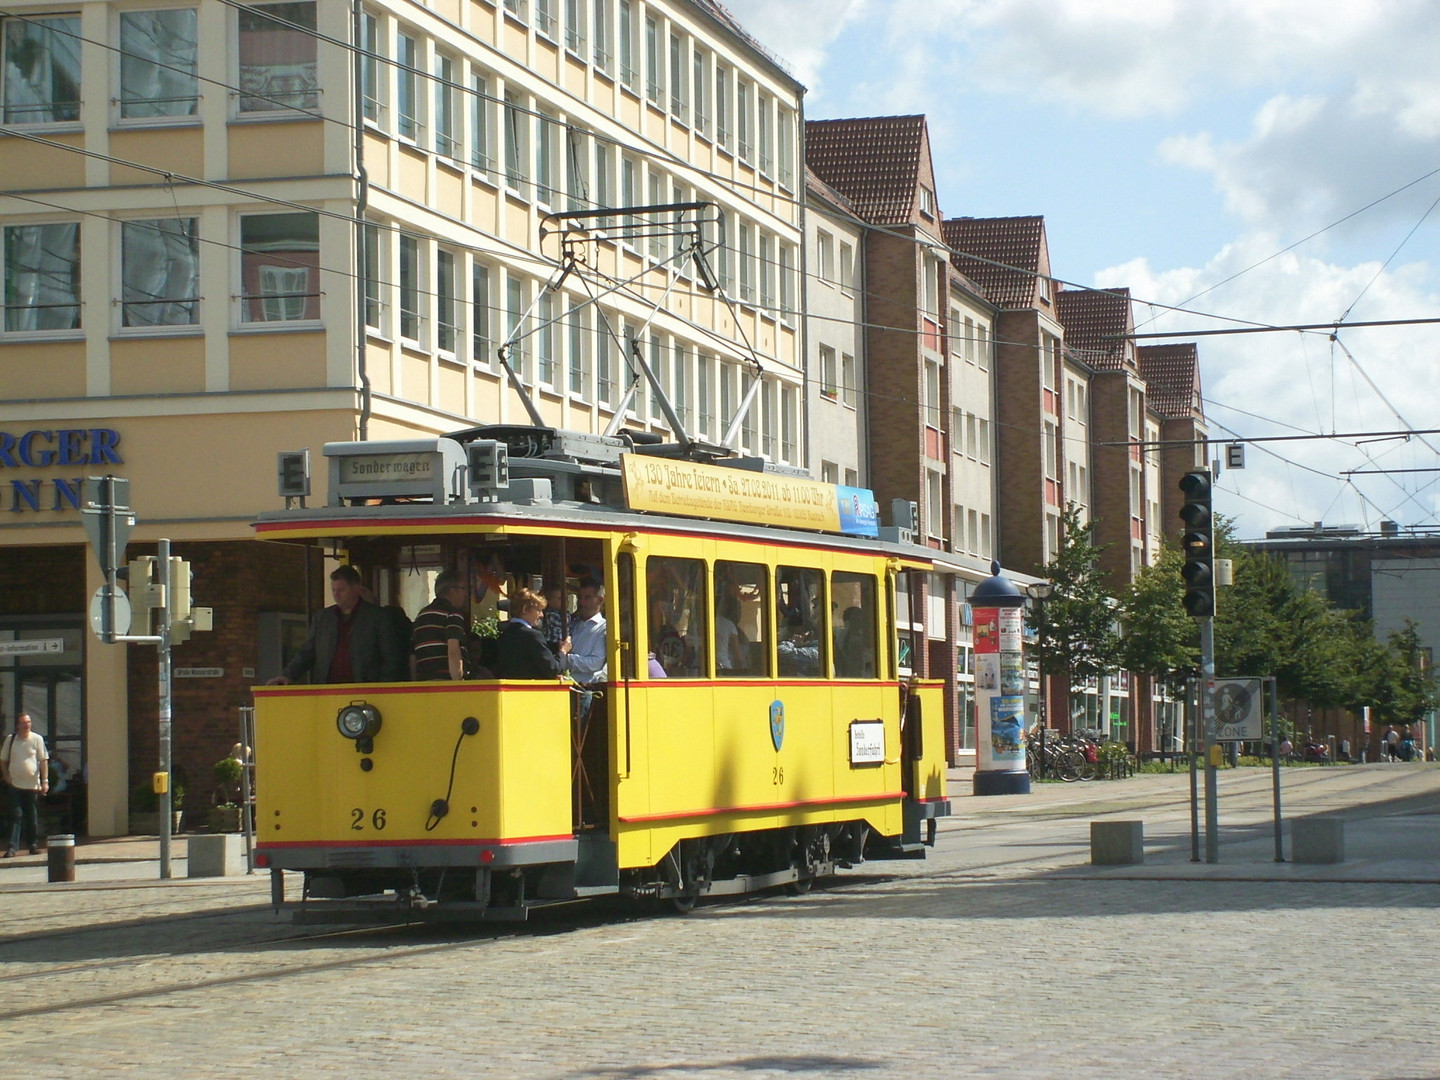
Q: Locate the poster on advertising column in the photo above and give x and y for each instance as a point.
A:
(999, 690)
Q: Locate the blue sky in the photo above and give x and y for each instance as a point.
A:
(1171, 144)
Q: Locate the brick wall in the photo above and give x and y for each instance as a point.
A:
(1020, 491)
(896, 372)
(238, 580)
(1109, 418)
(43, 580)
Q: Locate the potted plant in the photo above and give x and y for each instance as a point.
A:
(225, 815)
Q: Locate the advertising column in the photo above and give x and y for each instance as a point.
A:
(999, 688)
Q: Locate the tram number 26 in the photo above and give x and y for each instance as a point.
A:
(357, 819)
(777, 775)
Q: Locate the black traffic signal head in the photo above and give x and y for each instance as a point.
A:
(1197, 541)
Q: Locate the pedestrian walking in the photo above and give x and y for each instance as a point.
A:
(26, 767)
(1390, 742)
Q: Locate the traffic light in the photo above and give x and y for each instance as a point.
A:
(1197, 541)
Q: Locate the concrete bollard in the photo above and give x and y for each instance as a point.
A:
(215, 855)
(1117, 843)
(60, 852)
(1317, 840)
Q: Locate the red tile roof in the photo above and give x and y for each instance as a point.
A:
(1172, 379)
(875, 161)
(1095, 321)
(1007, 255)
(826, 192)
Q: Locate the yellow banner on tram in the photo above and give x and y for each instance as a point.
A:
(711, 491)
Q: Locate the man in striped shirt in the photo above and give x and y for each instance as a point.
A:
(439, 634)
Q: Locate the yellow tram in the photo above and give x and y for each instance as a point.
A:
(751, 727)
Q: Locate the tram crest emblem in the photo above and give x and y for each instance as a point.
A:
(777, 723)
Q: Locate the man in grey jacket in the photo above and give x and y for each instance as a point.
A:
(350, 641)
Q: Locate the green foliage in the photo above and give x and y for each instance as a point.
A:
(486, 628)
(1076, 625)
(1160, 639)
(228, 770)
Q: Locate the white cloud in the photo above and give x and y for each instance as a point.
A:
(799, 32)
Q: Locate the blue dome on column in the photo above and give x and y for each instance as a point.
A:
(996, 591)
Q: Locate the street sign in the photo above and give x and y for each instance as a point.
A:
(32, 646)
(118, 614)
(107, 519)
(1239, 710)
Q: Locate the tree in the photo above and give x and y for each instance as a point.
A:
(1160, 639)
(1076, 625)
(1399, 686)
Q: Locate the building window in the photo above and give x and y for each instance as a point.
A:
(447, 303)
(157, 63)
(957, 530)
(370, 67)
(677, 78)
(447, 142)
(705, 394)
(517, 8)
(934, 503)
(545, 339)
(604, 181)
(829, 387)
(829, 472)
(975, 541)
(160, 273)
(656, 197)
(985, 543)
(409, 287)
(370, 274)
(277, 57)
(785, 133)
(280, 267)
(747, 264)
(762, 134)
(787, 282)
(575, 27)
(766, 258)
(407, 96)
(42, 277)
(681, 389)
(517, 146)
(768, 420)
(482, 149)
(927, 202)
(932, 394)
(577, 168)
(848, 376)
(654, 69)
(789, 424)
(657, 368)
(825, 255)
(544, 18)
(580, 341)
(628, 75)
(722, 104)
(482, 337)
(629, 196)
(42, 70)
(519, 355)
(701, 91)
(847, 266)
(604, 359)
(545, 128)
(601, 30)
(984, 440)
(744, 119)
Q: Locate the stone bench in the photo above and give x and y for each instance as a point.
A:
(1117, 843)
(1317, 840)
(215, 855)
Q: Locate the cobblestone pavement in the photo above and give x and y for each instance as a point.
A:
(1004, 955)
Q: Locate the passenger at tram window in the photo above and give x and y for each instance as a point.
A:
(678, 627)
(740, 619)
(552, 625)
(522, 652)
(799, 593)
(350, 641)
(586, 661)
(854, 594)
(437, 641)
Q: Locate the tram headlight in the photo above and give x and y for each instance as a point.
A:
(358, 720)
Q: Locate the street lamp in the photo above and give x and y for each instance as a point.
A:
(1041, 591)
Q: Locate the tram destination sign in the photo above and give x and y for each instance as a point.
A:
(691, 489)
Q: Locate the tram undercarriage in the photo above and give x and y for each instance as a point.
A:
(794, 857)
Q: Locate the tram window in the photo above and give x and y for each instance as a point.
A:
(675, 591)
(742, 644)
(625, 579)
(800, 621)
(855, 612)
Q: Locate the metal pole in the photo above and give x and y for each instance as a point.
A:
(1190, 709)
(163, 558)
(247, 740)
(1207, 714)
(1275, 761)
